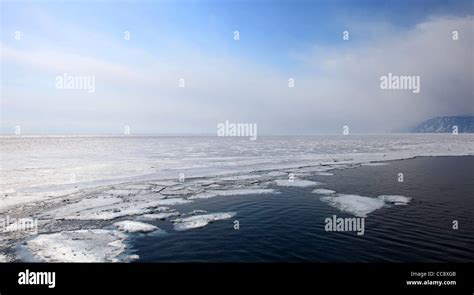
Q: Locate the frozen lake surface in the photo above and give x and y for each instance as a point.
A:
(136, 193)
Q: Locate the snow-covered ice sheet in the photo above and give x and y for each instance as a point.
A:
(36, 175)
(38, 168)
(105, 208)
(82, 207)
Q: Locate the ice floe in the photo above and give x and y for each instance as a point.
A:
(323, 191)
(95, 245)
(133, 257)
(130, 226)
(354, 204)
(197, 221)
(361, 206)
(395, 199)
(296, 182)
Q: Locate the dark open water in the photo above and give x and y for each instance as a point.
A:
(289, 227)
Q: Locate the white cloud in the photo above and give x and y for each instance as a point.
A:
(335, 86)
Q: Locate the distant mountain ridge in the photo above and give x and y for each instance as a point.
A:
(465, 124)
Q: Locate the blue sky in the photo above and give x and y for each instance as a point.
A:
(194, 39)
(270, 29)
